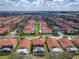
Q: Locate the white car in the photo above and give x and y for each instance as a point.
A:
(57, 50)
(7, 49)
(38, 51)
(72, 49)
(22, 50)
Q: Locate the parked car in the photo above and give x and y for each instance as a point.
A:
(53, 45)
(38, 46)
(67, 45)
(24, 47)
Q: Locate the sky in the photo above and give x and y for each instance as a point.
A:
(39, 5)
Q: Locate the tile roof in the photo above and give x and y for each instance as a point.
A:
(8, 42)
(51, 42)
(25, 43)
(37, 41)
(65, 43)
(27, 31)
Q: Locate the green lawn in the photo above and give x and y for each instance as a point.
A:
(32, 35)
(5, 57)
(36, 26)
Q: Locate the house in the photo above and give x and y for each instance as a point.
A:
(7, 45)
(47, 30)
(43, 27)
(29, 27)
(24, 46)
(5, 29)
(38, 46)
(7, 24)
(67, 45)
(53, 45)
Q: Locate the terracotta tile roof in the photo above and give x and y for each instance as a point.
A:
(25, 43)
(13, 41)
(5, 29)
(46, 30)
(8, 27)
(2, 31)
(7, 42)
(28, 27)
(51, 42)
(39, 41)
(27, 31)
(65, 43)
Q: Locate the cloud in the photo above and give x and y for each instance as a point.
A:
(73, 6)
(38, 5)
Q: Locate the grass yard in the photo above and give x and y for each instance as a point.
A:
(32, 35)
(37, 26)
(5, 57)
